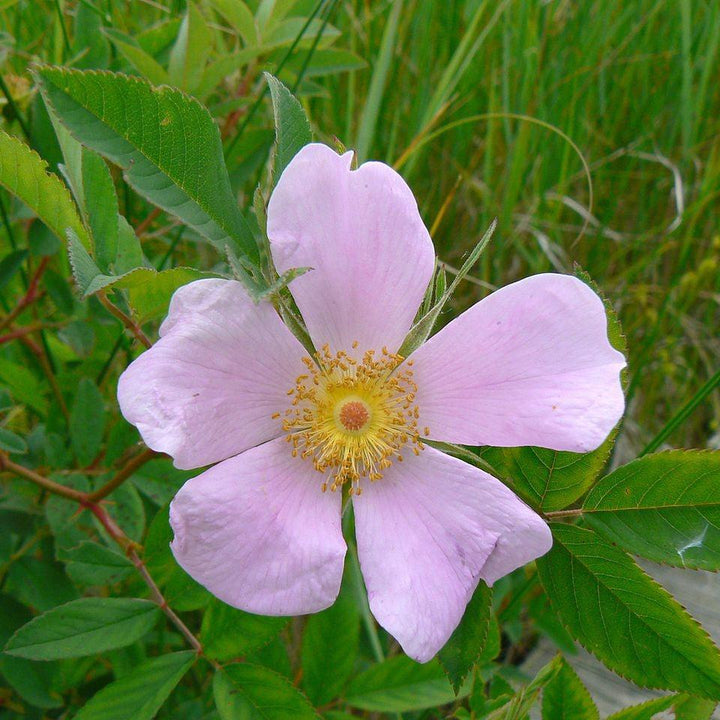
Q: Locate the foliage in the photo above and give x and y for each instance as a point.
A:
(145, 141)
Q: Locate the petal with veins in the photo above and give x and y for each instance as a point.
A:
(426, 533)
(361, 232)
(209, 387)
(257, 531)
(530, 364)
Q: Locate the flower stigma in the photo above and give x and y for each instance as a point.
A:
(352, 415)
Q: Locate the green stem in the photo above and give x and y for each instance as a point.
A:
(682, 414)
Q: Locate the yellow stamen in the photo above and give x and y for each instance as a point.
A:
(352, 416)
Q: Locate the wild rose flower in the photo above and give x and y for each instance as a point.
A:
(228, 383)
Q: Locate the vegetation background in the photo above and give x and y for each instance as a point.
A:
(590, 129)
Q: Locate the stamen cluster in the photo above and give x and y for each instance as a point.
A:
(351, 416)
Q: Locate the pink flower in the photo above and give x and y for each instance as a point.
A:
(228, 383)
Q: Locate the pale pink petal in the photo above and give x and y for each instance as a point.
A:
(208, 388)
(361, 232)
(426, 533)
(530, 364)
(258, 532)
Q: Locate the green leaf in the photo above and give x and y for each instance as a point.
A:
(292, 129)
(522, 701)
(693, 708)
(566, 698)
(32, 681)
(329, 650)
(664, 507)
(240, 17)
(140, 694)
(191, 50)
(165, 141)
(549, 479)
(87, 422)
(24, 174)
(10, 265)
(468, 641)
(644, 711)
(252, 692)
(92, 564)
(179, 589)
(399, 685)
(83, 627)
(11, 442)
(149, 291)
(326, 61)
(142, 61)
(229, 633)
(627, 620)
(101, 207)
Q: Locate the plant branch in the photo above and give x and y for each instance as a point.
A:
(127, 321)
(39, 353)
(122, 475)
(129, 547)
(30, 296)
(50, 485)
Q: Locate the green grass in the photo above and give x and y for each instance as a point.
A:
(634, 85)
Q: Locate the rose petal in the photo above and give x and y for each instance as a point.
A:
(426, 533)
(258, 532)
(361, 232)
(208, 388)
(530, 364)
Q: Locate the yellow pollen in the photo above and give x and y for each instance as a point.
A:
(352, 414)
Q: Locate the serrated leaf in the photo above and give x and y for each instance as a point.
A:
(229, 633)
(566, 698)
(83, 627)
(645, 711)
(165, 141)
(627, 620)
(549, 479)
(399, 685)
(87, 421)
(329, 650)
(252, 692)
(149, 290)
(139, 694)
(93, 564)
(664, 507)
(24, 174)
(468, 641)
(292, 129)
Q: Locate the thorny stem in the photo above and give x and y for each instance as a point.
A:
(128, 322)
(90, 502)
